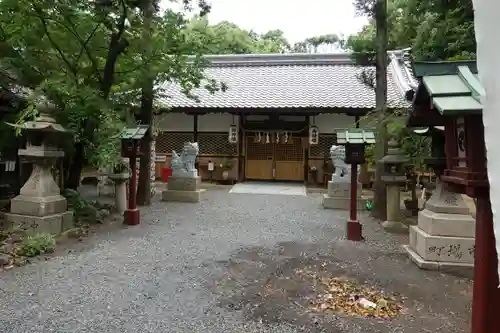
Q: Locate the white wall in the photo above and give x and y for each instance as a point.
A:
(216, 122)
(213, 122)
(220, 122)
(175, 122)
(328, 123)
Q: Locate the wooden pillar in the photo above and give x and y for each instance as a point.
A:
(241, 157)
(195, 137)
(306, 154)
(131, 215)
(486, 294)
(195, 128)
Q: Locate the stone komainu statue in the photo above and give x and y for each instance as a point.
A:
(342, 170)
(337, 154)
(184, 165)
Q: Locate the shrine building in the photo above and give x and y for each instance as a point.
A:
(278, 117)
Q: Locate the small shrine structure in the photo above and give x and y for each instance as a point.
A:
(131, 139)
(450, 93)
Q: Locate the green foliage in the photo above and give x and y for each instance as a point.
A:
(41, 243)
(416, 147)
(435, 30)
(313, 44)
(88, 58)
(227, 38)
(84, 210)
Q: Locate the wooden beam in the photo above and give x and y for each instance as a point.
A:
(306, 155)
(195, 128)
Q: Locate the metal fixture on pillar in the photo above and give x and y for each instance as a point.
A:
(313, 134)
(233, 133)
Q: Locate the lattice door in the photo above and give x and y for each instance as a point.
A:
(259, 160)
(289, 160)
(290, 151)
(259, 150)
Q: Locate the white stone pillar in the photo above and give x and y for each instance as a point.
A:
(121, 195)
(393, 222)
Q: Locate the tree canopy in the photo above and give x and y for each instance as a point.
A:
(434, 29)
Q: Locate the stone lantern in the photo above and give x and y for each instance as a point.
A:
(40, 207)
(394, 177)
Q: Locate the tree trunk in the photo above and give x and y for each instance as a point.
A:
(117, 46)
(144, 186)
(146, 116)
(75, 168)
(379, 209)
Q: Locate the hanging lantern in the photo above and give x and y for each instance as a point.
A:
(257, 137)
(277, 137)
(285, 137)
(233, 134)
(313, 135)
(267, 138)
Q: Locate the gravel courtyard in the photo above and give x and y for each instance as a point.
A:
(226, 264)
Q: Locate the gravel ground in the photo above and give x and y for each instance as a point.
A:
(225, 264)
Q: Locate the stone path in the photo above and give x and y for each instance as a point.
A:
(224, 265)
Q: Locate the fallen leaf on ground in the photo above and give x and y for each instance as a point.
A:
(342, 295)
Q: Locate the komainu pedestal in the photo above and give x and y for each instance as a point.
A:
(339, 188)
(444, 236)
(182, 189)
(184, 184)
(339, 196)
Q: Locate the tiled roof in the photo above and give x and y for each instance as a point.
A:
(291, 81)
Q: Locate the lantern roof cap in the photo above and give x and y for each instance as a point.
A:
(355, 136)
(453, 87)
(44, 122)
(134, 132)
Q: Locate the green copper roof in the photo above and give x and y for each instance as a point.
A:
(355, 135)
(453, 87)
(134, 133)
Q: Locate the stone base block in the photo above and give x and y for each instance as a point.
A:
(341, 189)
(441, 224)
(184, 183)
(463, 269)
(442, 248)
(38, 206)
(342, 203)
(54, 224)
(395, 226)
(181, 196)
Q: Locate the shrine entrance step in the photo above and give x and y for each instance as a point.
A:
(269, 188)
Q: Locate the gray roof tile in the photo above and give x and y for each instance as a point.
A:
(289, 81)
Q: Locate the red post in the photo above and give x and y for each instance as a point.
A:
(354, 232)
(486, 297)
(132, 216)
